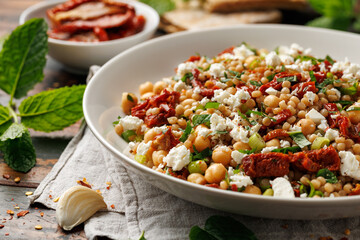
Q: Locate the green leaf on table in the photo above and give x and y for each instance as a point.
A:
(5, 119)
(2, 40)
(221, 228)
(356, 24)
(333, 8)
(16, 145)
(161, 6)
(22, 58)
(339, 23)
(54, 109)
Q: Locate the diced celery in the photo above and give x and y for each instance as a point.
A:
(320, 142)
(195, 167)
(140, 158)
(256, 142)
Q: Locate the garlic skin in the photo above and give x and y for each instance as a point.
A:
(76, 205)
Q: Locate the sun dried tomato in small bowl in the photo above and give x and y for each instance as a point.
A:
(90, 32)
(93, 20)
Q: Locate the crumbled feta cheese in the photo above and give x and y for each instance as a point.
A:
(239, 134)
(177, 158)
(340, 66)
(220, 84)
(255, 129)
(233, 101)
(337, 92)
(168, 81)
(240, 180)
(283, 50)
(295, 128)
(284, 144)
(293, 67)
(217, 70)
(204, 132)
(349, 165)
(303, 195)
(282, 188)
(268, 149)
(237, 156)
(272, 59)
(197, 90)
(306, 65)
(217, 123)
(242, 52)
(132, 145)
(230, 171)
(315, 116)
(228, 56)
(352, 69)
(161, 129)
(143, 148)
(204, 101)
(286, 59)
(310, 96)
(185, 68)
(332, 134)
(220, 96)
(130, 122)
(323, 125)
(322, 67)
(180, 85)
(295, 50)
(144, 128)
(271, 91)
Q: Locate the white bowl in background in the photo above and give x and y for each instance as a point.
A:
(79, 56)
(157, 58)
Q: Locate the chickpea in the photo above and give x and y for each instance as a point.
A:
(119, 129)
(196, 178)
(150, 135)
(272, 101)
(222, 155)
(354, 116)
(201, 143)
(159, 86)
(241, 146)
(158, 156)
(307, 126)
(273, 143)
(215, 173)
(224, 185)
(252, 189)
(146, 87)
(128, 101)
(146, 95)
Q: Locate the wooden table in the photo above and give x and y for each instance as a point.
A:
(48, 147)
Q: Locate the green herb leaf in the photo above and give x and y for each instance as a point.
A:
(127, 134)
(248, 151)
(161, 6)
(243, 116)
(142, 236)
(287, 150)
(201, 155)
(299, 139)
(271, 77)
(5, 119)
(17, 148)
(345, 102)
(249, 47)
(255, 83)
(339, 23)
(23, 58)
(197, 233)
(313, 60)
(186, 133)
(199, 119)
(350, 90)
(329, 59)
(312, 76)
(187, 76)
(212, 105)
(130, 98)
(116, 122)
(53, 110)
(260, 114)
(328, 175)
(236, 74)
(292, 79)
(333, 8)
(222, 228)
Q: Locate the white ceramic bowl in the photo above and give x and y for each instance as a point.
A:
(159, 57)
(79, 56)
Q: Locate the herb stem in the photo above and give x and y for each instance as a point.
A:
(12, 112)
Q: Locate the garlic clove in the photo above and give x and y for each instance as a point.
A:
(76, 205)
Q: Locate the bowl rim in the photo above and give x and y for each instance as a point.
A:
(313, 202)
(153, 15)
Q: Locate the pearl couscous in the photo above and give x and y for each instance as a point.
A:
(281, 123)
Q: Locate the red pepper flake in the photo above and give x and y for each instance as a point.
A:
(12, 199)
(6, 176)
(50, 196)
(41, 214)
(10, 212)
(22, 213)
(84, 183)
(11, 217)
(1, 226)
(108, 187)
(112, 206)
(7, 234)
(4, 221)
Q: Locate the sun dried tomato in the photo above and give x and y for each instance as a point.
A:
(355, 191)
(279, 118)
(333, 110)
(301, 88)
(165, 141)
(228, 50)
(266, 164)
(274, 84)
(347, 129)
(314, 160)
(193, 58)
(213, 185)
(205, 92)
(182, 174)
(277, 133)
(101, 34)
(320, 76)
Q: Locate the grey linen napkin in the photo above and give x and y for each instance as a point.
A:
(140, 206)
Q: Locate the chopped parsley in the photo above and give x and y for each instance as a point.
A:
(287, 150)
(199, 119)
(186, 133)
(255, 83)
(196, 155)
(187, 76)
(292, 79)
(329, 176)
(260, 114)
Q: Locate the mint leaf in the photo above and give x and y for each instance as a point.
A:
(196, 233)
(339, 23)
(19, 153)
(356, 24)
(161, 6)
(53, 110)
(299, 139)
(329, 176)
(186, 133)
(2, 40)
(333, 8)
(5, 119)
(199, 119)
(23, 58)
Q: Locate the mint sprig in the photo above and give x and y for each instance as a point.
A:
(161, 6)
(22, 59)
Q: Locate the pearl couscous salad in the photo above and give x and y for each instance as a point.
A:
(276, 123)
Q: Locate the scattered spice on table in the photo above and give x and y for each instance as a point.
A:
(17, 179)
(41, 214)
(10, 212)
(6, 176)
(38, 227)
(1, 226)
(22, 213)
(56, 199)
(29, 193)
(112, 206)
(347, 231)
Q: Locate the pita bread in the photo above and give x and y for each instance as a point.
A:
(181, 19)
(241, 5)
